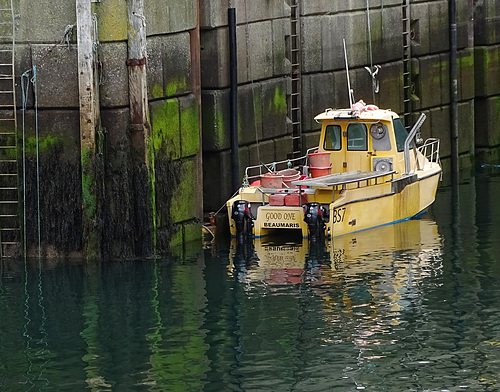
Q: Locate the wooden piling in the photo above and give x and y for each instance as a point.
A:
(136, 63)
(140, 130)
(89, 121)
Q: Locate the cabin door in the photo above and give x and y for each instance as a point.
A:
(355, 143)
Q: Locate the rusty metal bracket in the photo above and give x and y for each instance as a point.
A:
(136, 62)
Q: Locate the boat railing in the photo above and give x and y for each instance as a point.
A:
(253, 173)
(430, 150)
(410, 139)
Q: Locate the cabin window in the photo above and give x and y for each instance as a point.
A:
(357, 139)
(400, 133)
(333, 139)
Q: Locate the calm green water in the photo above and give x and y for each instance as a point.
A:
(408, 307)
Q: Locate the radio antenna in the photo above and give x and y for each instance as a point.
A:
(350, 92)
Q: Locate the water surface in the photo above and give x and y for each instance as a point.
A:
(407, 307)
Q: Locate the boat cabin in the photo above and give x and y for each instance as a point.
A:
(372, 140)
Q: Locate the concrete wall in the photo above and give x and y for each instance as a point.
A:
(487, 78)
(131, 198)
(142, 208)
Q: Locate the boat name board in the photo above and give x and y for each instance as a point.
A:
(281, 220)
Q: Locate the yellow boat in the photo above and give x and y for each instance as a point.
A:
(367, 171)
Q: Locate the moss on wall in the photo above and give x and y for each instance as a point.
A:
(112, 17)
(278, 104)
(183, 206)
(190, 129)
(156, 90)
(165, 132)
(175, 85)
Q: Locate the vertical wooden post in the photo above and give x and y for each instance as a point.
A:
(86, 75)
(143, 161)
(89, 120)
(136, 63)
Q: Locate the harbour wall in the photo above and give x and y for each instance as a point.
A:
(143, 195)
(148, 193)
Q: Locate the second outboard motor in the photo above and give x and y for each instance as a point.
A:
(243, 219)
(315, 216)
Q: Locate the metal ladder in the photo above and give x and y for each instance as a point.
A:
(406, 62)
(10, 232)
(295, 75)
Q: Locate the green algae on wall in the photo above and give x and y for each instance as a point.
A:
(112, 17)
(190, 129)
(44, 144)
(88, 186)
(279, 102)
(157, 91)
(165, 132)
(176, 84)
(183, 205)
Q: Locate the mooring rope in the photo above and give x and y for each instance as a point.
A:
(25, 81)
(33, 81)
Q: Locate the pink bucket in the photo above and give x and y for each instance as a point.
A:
(319, 159)
(281, 179)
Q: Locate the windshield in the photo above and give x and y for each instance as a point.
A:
(400, 133)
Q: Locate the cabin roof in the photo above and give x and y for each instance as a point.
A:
(336, 115)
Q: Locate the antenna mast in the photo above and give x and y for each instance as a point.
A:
(350, 92)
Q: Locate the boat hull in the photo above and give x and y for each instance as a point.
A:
(354, 212)
(353, 209)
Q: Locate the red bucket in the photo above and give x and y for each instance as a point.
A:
(320, 171)
(319, 159)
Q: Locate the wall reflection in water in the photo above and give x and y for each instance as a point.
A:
(412, 306)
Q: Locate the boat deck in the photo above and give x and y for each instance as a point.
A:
(343, 178)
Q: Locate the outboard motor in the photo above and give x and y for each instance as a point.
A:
(315, 216)
(243, 218)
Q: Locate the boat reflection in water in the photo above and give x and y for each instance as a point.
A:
(359, 289)
(373, 269)
(414, 244)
